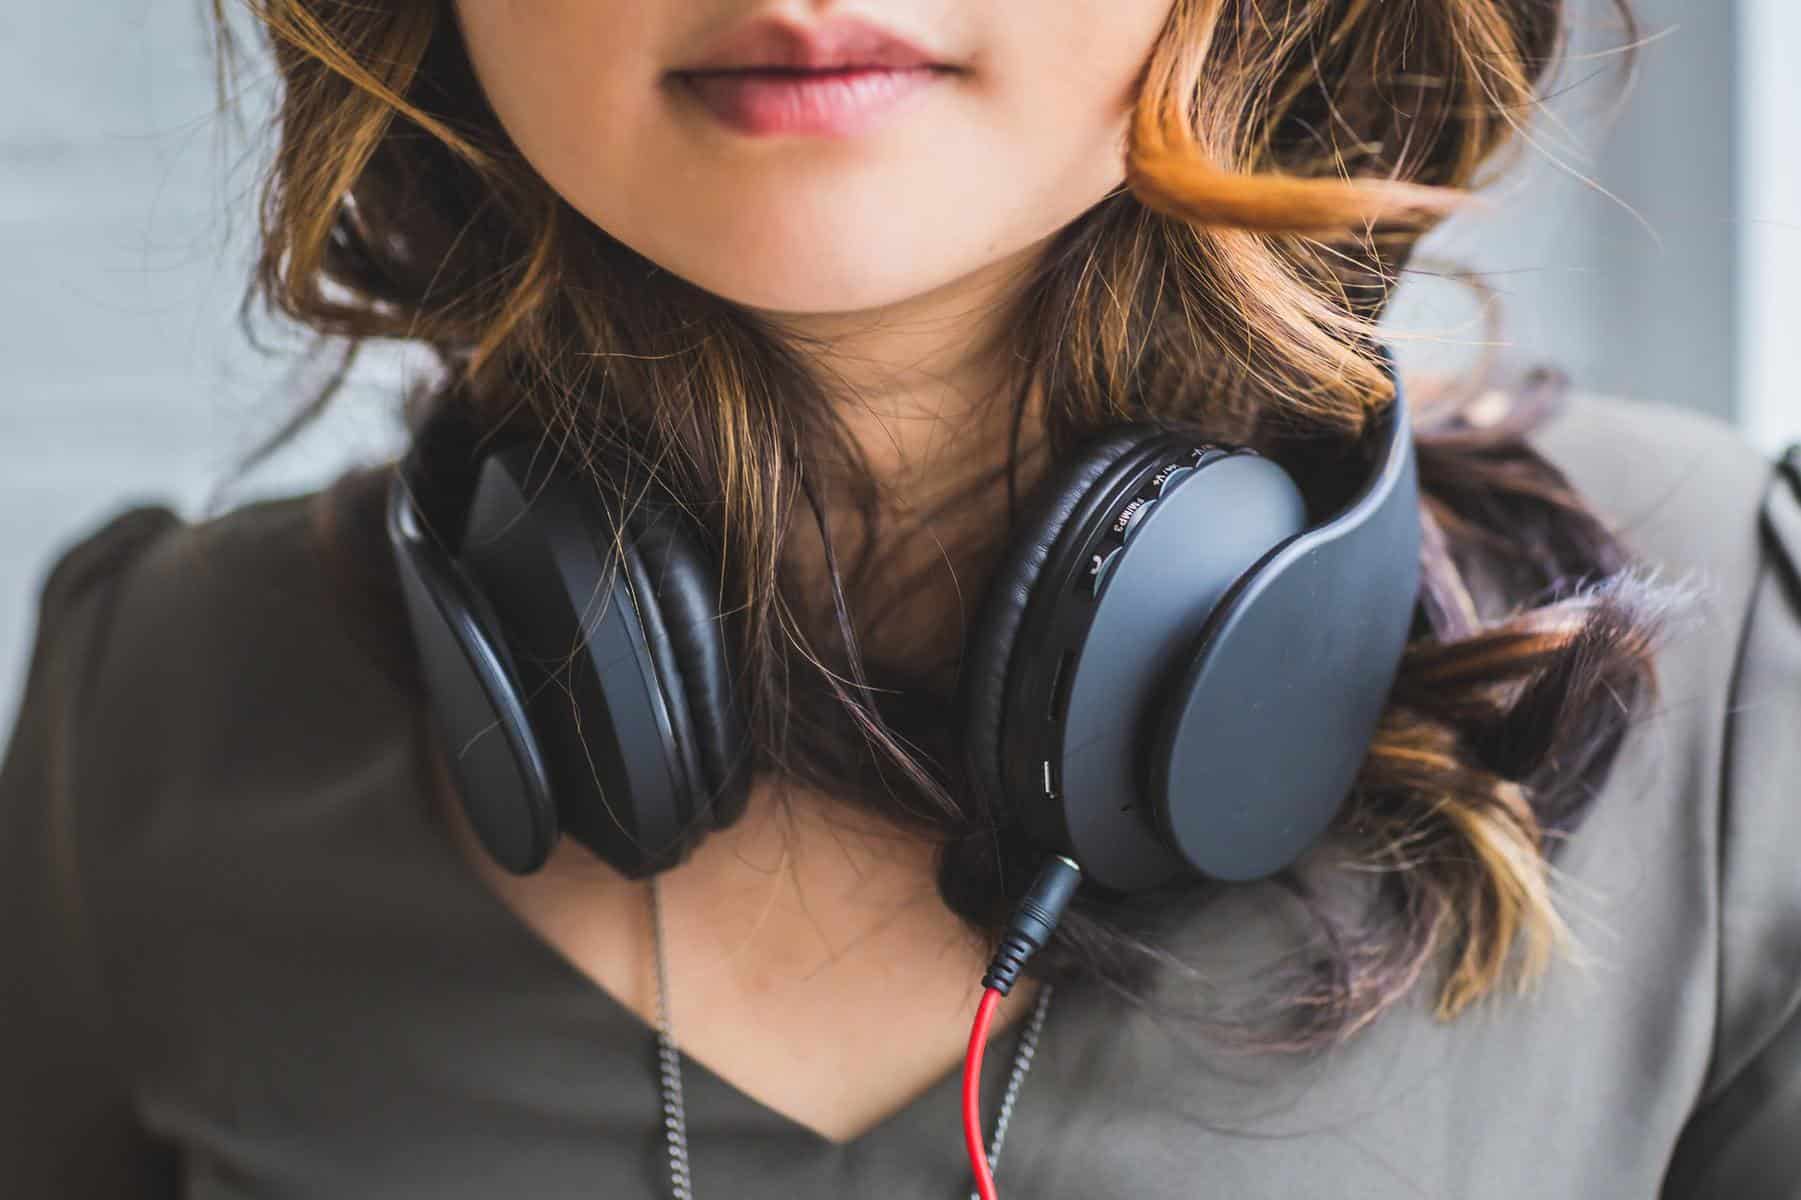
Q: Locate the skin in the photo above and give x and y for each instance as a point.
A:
(803, 928)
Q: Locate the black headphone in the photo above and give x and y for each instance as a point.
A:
(1172, 673)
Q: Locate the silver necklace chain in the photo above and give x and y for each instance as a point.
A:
(669, 1069)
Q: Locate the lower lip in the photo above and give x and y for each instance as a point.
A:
(819, 103)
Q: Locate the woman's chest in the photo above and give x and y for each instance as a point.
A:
(515, 1086)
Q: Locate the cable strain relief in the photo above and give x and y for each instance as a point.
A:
(1034, 920)
(1008, 962)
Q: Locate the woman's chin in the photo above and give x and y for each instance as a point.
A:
(806, 277)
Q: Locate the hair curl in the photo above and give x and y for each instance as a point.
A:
(1230, 290)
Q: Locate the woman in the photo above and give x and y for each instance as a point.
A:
(848, 282)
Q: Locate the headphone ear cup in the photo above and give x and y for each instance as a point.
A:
(694, 656)
(988, 654)
(608, 621)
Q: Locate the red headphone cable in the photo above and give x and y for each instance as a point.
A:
(1031, 926)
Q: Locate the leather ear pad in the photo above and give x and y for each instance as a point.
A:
(693, 654)
(988, 655)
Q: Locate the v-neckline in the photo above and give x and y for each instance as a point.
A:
(941, 1097)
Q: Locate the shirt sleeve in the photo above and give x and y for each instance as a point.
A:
(67, 1123)
(1744, 1138)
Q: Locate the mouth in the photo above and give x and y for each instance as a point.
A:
(835, 79)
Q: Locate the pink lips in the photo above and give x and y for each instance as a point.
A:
(836, 79)
(822, 102)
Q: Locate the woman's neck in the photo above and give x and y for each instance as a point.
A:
(926, 392)
(924, 385)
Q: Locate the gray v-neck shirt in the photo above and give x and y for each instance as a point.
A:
(246, 960)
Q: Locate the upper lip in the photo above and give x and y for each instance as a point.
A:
(840, 44)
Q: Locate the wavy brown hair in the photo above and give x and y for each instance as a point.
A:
(1284, 158)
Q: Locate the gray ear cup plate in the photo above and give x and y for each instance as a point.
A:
(1272, 717)
(1108, 656)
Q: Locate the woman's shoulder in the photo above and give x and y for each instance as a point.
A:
(1691, 499)
(1695, 499)
(187, 647)
(1681, 487)
(203, 704)
(1699, 504)
(123, 603)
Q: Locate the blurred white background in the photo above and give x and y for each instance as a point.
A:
(1645, 244)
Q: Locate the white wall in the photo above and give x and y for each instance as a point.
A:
(1769, 108)
(1611, 247)
(124, 240)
